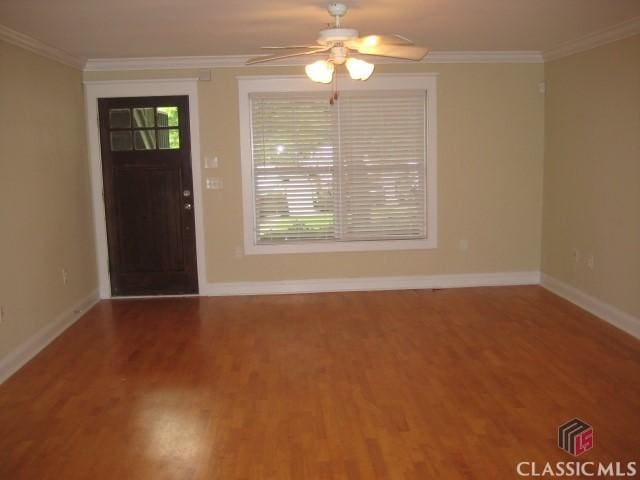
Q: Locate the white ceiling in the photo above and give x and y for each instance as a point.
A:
(148, 28)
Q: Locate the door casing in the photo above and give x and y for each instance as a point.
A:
(140, 88)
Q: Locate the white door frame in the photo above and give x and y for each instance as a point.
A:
(140, 88)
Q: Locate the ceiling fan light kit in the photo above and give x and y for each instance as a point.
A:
(338, 42)
(320, 71)
(359, 69)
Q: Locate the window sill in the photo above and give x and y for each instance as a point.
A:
(359, 246)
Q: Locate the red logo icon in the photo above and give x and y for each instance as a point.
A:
(575, 437)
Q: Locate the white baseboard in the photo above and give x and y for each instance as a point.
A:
(609, 313)
(371, 283)
(13, 361)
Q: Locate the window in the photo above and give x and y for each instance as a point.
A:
(144, 133)
(355, 175)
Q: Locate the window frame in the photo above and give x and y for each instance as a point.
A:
(300, 83)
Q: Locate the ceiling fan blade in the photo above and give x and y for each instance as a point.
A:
(375, 40)
(408, 52)
(277, 56)
(284, 47)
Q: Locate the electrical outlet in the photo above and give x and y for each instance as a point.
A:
(65, 276)
(213, 183)
(591, 262)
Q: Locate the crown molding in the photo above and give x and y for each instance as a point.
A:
(36, 46)
(498, 56)
(612, 34)
(166, 63)
(220, 61)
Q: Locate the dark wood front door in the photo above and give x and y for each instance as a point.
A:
(148, 195)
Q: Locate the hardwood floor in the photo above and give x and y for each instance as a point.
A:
(449, 384)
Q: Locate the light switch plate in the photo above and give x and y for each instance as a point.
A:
(211, 161)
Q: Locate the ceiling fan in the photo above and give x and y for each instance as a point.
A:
(339, 42)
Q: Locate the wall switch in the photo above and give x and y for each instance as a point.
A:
(213, 183)
(464, 244)
(211, 161)
(239, 252)
(576, 256)
(1, 314)
(591, 262)
(65, 276)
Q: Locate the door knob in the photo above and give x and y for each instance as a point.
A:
(187, 206)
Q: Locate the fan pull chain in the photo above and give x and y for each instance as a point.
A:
(334, 95)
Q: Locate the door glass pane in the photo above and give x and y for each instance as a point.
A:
(119, 118)
(143, 117)
(144, 139)
(169, 139)
(167, 116)
(120, 140)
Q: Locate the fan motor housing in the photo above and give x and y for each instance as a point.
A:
(330, 36)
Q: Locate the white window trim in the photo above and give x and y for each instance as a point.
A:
(300, 83)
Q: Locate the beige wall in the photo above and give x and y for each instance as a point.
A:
(45, 217)
(592, 172)
(490, 160)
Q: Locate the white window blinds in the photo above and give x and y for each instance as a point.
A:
(349, 172)
(382, 165)
(294, 157)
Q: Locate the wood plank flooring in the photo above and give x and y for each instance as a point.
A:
(449, 384)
